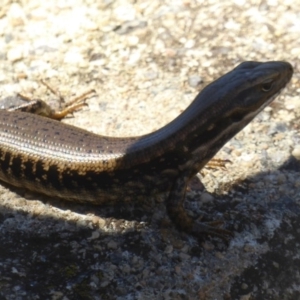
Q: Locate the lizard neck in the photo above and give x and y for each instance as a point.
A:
(219, 112)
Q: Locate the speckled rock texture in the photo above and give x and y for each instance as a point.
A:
(147, 60)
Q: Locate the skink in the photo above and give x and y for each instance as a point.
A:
(59, 160)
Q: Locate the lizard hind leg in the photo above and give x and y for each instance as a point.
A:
(183, 221)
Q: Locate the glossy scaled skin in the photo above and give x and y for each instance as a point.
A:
(63, 161)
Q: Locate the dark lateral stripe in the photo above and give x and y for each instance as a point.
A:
(5, 159)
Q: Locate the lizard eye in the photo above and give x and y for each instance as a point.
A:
(267, 85)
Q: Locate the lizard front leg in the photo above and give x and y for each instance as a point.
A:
(182, 220)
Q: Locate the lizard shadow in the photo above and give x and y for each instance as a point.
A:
(57, 251)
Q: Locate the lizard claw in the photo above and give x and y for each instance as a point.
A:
(211, 228)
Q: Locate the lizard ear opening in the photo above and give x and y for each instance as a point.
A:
(267, 85)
